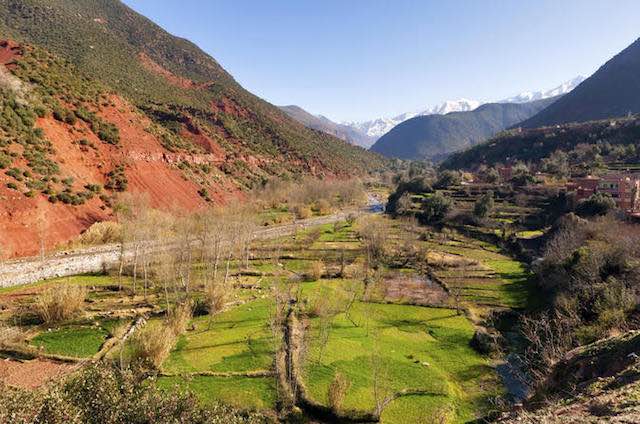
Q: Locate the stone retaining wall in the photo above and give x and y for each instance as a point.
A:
(101, 258)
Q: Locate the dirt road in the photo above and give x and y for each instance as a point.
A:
(100, 258)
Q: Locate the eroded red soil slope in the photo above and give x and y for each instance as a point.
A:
(28, 223)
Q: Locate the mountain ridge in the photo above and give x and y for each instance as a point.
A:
(324, 124)
(612, 91)
(435, 136)
(98, 100)
(376, 128)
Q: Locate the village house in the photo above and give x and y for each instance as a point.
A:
(505, 172)
(623, 188)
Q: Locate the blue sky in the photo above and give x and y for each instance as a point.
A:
(361, 59)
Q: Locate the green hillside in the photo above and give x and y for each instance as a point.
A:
(618, 136)
(435, 136)
(174, 79)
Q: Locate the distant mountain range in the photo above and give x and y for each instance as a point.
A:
(613, 91)
(529, 96)
(365, 133)
(376, 128)
(436, 136)
(582, 116)
(321, 123)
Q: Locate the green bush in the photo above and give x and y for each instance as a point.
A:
(597, 204)
(484, 205)
(58, 114)
(15, 173)
(116, 179)
(106, 132)
(70, 118)
(204, 193)
(435, 208)
(399, 204)
(103, 393)
(447, 179)
(5, 160)
(95, 188)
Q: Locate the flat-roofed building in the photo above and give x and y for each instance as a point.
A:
(624, 189)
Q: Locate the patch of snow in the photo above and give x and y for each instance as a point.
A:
(378, 127)
(529, 96)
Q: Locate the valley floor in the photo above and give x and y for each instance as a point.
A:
(401, 342)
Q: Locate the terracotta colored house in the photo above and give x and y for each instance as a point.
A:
(505, 172)
(624, 189)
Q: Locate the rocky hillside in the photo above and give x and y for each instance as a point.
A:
(613, 91)
(435, 136)
(598, 383)
(97, 100)
(321, 123)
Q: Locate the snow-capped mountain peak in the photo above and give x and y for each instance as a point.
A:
(378, 127)
(529, 96)
(460, 105)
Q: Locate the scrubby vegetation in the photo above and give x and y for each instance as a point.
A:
(60, 304)
(588, 146)
(589, 271)
(105, 394)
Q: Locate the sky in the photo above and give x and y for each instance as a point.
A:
(355, 60)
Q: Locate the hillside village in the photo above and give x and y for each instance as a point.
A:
(622, 187)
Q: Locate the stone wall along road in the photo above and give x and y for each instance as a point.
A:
(101, 258)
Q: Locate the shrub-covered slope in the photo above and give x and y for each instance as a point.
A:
(324, 124)
(435, 136)
(596, 383)
(535, 144)
(96, 100)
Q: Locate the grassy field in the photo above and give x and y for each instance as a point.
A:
(238, 340)
(76, 341)
(407, 347)
(247, 393)
(80, 339)
(491, 280)
(529, 234)
(391, 347)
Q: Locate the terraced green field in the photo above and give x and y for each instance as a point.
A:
(381, 348)
(247, 393)
(75, 341)
(494, 279)
(235, 341)
(403, 347)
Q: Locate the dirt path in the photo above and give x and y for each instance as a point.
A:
(33, 373)
(99, 258)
